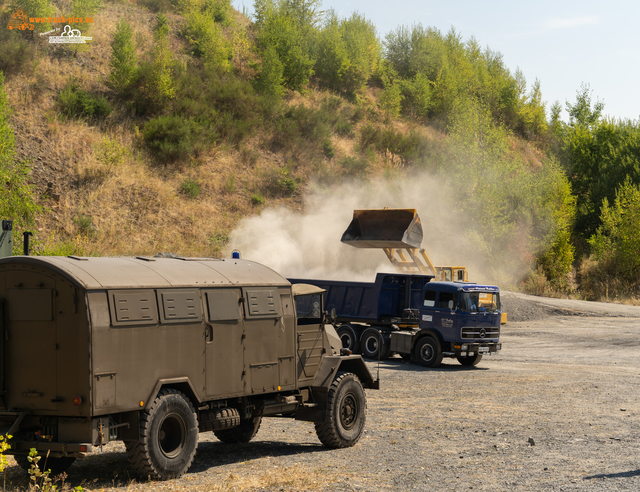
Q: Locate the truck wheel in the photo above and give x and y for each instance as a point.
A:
(168, 437)
(372, 341)
(470, 361)
(349, 339)
(244, 432)
(346, 412)
(56, 465)
(428, 353)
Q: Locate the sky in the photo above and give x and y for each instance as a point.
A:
(562, 43)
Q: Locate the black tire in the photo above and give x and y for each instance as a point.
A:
(346, 412)
(370, 341)
(168, 437)
(349, 339)
(470, 361)
(56, 465)
(428, 352)
(244, 432)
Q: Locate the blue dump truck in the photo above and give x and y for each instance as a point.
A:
(414, 316)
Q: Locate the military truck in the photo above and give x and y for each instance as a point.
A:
(412, 315)
(151, 351)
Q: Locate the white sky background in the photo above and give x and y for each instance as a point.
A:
(562, 43)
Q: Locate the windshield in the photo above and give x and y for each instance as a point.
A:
(308, 308)
(483, 302)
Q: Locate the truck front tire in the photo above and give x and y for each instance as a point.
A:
(372, 341)
(428, 352)
(349, 339)
(470, 361)
(346, 412)
(168, 437)
(244, 432)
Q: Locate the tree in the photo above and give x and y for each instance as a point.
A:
(124, 62)
(617, 240)
(287, 27)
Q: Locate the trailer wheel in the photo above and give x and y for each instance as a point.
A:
(470, 361)
(371, 342)
(428, 353)
(244, 432)
(56, 465)
(346, 412)
(349, 339)
(168, 437)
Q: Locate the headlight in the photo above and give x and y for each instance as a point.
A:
(464, 347)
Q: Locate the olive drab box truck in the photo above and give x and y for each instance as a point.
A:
(414, 316)
(152, 351)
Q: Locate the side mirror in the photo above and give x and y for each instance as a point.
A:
(450, 304)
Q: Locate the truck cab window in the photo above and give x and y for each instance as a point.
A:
(429, 298)
(309, 309)
(448, 300)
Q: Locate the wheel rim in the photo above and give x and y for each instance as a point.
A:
(346, 340)
(426, 352)
(349, 411)
(372, 345)
(171, 435)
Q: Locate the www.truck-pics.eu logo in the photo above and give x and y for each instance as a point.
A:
(21, 21)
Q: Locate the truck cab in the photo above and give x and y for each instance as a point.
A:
(458, 319)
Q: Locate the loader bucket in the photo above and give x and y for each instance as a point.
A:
(386, 228)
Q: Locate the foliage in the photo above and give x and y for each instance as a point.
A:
(34, 8)
(84, 9)
(124, 62)
(270, 80)
(287, 26)
(110, 153)
(599, 155)
(348, 52)
(257, 199)
(617, 240)
(453, 72)
(390, 100)
(190, 188)
(159, 84)
(74, 102)
(207, 40)
(171, 137)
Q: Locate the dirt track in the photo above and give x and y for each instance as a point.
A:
(557, 409)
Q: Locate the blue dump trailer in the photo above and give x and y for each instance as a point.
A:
(414, 316)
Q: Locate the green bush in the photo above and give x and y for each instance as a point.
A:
(190, 188)
(257, 199)
(355, 166)
(171, 137)
(327, 149)
(74, 102)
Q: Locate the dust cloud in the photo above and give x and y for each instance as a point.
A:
(307, 245)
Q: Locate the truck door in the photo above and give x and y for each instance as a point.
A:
(224, 343)
(30, 350)
(310, 335)
(444, 318)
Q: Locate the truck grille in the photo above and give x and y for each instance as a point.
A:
(481, 333)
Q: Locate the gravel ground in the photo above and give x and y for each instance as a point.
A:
(557, 409)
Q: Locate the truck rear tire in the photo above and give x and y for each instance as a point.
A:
(244, 432)
(349, 339)
(470, 361)
(372, 341)
(56, 465)
(168, 437)
(346, 412)
(428, 352)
